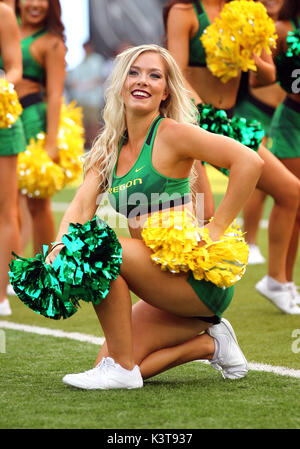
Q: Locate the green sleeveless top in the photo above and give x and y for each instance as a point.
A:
(31, 68)
(197, 56)
(143, 189)
(285, 65)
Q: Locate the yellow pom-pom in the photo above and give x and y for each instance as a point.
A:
(171, 236)
(38, 175)
(10, 108)
(71, 142)
(243, 28)
(174, 239)
(223, 262)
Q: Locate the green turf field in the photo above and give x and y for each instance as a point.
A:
(193, 396)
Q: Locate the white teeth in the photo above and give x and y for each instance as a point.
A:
(34, 13)
(140, 93)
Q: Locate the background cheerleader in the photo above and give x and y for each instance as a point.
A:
(185, 23)
(258, 103)
(40, 93)
(11, 143)
(284, 140)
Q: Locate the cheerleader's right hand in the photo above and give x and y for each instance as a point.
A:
(52, 151)
(53, 254)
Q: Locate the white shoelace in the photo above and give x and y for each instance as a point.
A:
(293, 289)
(104, 364)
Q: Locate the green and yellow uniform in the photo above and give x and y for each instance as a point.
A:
(144, 190)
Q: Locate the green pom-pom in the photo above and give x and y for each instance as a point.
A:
(89, 261)
(247, 132)
(293, 44)
(36, 284)
(287, 62)
(83, 270)
(214, 120)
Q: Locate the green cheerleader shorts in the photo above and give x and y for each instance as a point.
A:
(32, 121)
(34, 116)
(284, 137)
(12, 140)
(217, 299)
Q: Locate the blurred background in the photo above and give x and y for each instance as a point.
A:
(109, 23)
(96, 31)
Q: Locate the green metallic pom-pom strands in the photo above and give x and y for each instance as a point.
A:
(247, 132)
(287, 62)
(214, 120)
(36, 284)
(83, 270)
(293, 44)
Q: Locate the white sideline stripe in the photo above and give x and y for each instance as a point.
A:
(52, 332)
(106, 210)
(280, 370)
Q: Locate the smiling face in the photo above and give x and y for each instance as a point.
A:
(145, 86)
(33, 12)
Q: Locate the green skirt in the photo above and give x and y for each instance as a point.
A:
(284, 137)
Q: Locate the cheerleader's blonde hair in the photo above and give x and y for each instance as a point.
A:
(177, 106)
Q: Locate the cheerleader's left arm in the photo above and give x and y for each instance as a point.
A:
(190, 142)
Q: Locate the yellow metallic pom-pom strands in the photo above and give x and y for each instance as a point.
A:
(222, 262)
(38, 175)
(10, 107)
(174, 239)
(243, 28)
(172, 236)
(71, 141)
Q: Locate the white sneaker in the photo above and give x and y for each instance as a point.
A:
(255, 257)
(294, 292)
(10, 290)
(106, 375)
(228, 357)
(5, 309)
(280, 297)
